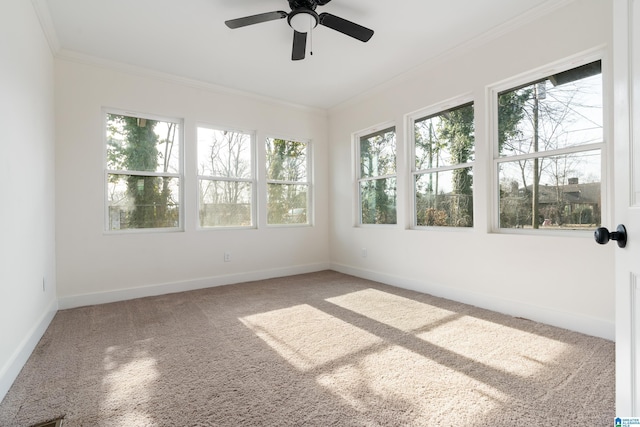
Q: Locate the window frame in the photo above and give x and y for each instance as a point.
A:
(426, 113)
(253, 180)
(105, 112)
(309, 182)
(527, 79)
(356, 137)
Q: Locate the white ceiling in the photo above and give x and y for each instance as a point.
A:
(188, 39)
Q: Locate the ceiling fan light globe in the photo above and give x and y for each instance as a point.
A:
(303, 22)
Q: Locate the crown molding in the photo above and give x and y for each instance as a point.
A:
(46, 23)
(457, 51)
(42, 11)
(81, 58)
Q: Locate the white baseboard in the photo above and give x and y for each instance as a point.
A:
(12, 368)
(574, 322)
(583, 324)
(81, 300)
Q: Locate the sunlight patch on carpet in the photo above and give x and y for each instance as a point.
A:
(307, 337)
(129, 378)
(371, 386)
(504, 348)
(401, 313)
(507, 349)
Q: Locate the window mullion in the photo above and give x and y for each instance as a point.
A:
(142, 173)
(275, 181)
(444, 168)
(375, 178)
(224, 178)
(552, 153)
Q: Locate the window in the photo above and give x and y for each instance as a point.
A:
(143, 172)
(443, 171)
(226, 178)
(288, 182)
(377, 177)
(549, 151)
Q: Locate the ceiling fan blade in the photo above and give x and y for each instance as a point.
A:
(345, 27)
(299, 46)
(255, 19)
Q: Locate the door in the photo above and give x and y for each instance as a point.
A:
(626, 128)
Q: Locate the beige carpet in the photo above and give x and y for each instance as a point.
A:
(322, 349)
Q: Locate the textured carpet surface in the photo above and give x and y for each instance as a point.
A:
(321, 349)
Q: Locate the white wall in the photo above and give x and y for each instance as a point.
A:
(26, 187)
(566, 281)
(563, 281)
(95, 267)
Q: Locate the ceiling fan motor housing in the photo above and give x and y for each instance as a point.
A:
(307, 4)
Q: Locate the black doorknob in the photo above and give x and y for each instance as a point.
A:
(602, 235)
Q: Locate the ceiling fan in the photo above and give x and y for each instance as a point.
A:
(303, 18)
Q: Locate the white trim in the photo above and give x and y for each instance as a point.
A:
(253, 179)
(105, 112)
(9, 372)
(491, 144)
(562, 319)
(574, 149)
(309, 182)
(633, 303)
(80, 58)
(356, 138)
(46, 23)
(440, 107)
(410, 144)
(463, 49)
(622, 133)
(492, 91)
(80, 300)
(597, 53)
(634, 125)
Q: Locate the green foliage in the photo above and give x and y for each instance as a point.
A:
(141, 152)
(511, 111)
(378, 198)
(288, 196)
(378, 154)
(445, 139)
(542, 117)
(458, 129)
(133, 146)
(377, 160)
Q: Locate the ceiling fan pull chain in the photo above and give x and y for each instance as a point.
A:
(310, 36)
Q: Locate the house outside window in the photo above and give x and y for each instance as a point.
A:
(143, 172)
(443, 153)
(288, 167)
(550, 140)
(377, 192)
(226, 178)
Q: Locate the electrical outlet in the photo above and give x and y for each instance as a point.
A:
(227, 257)
(363, 252)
